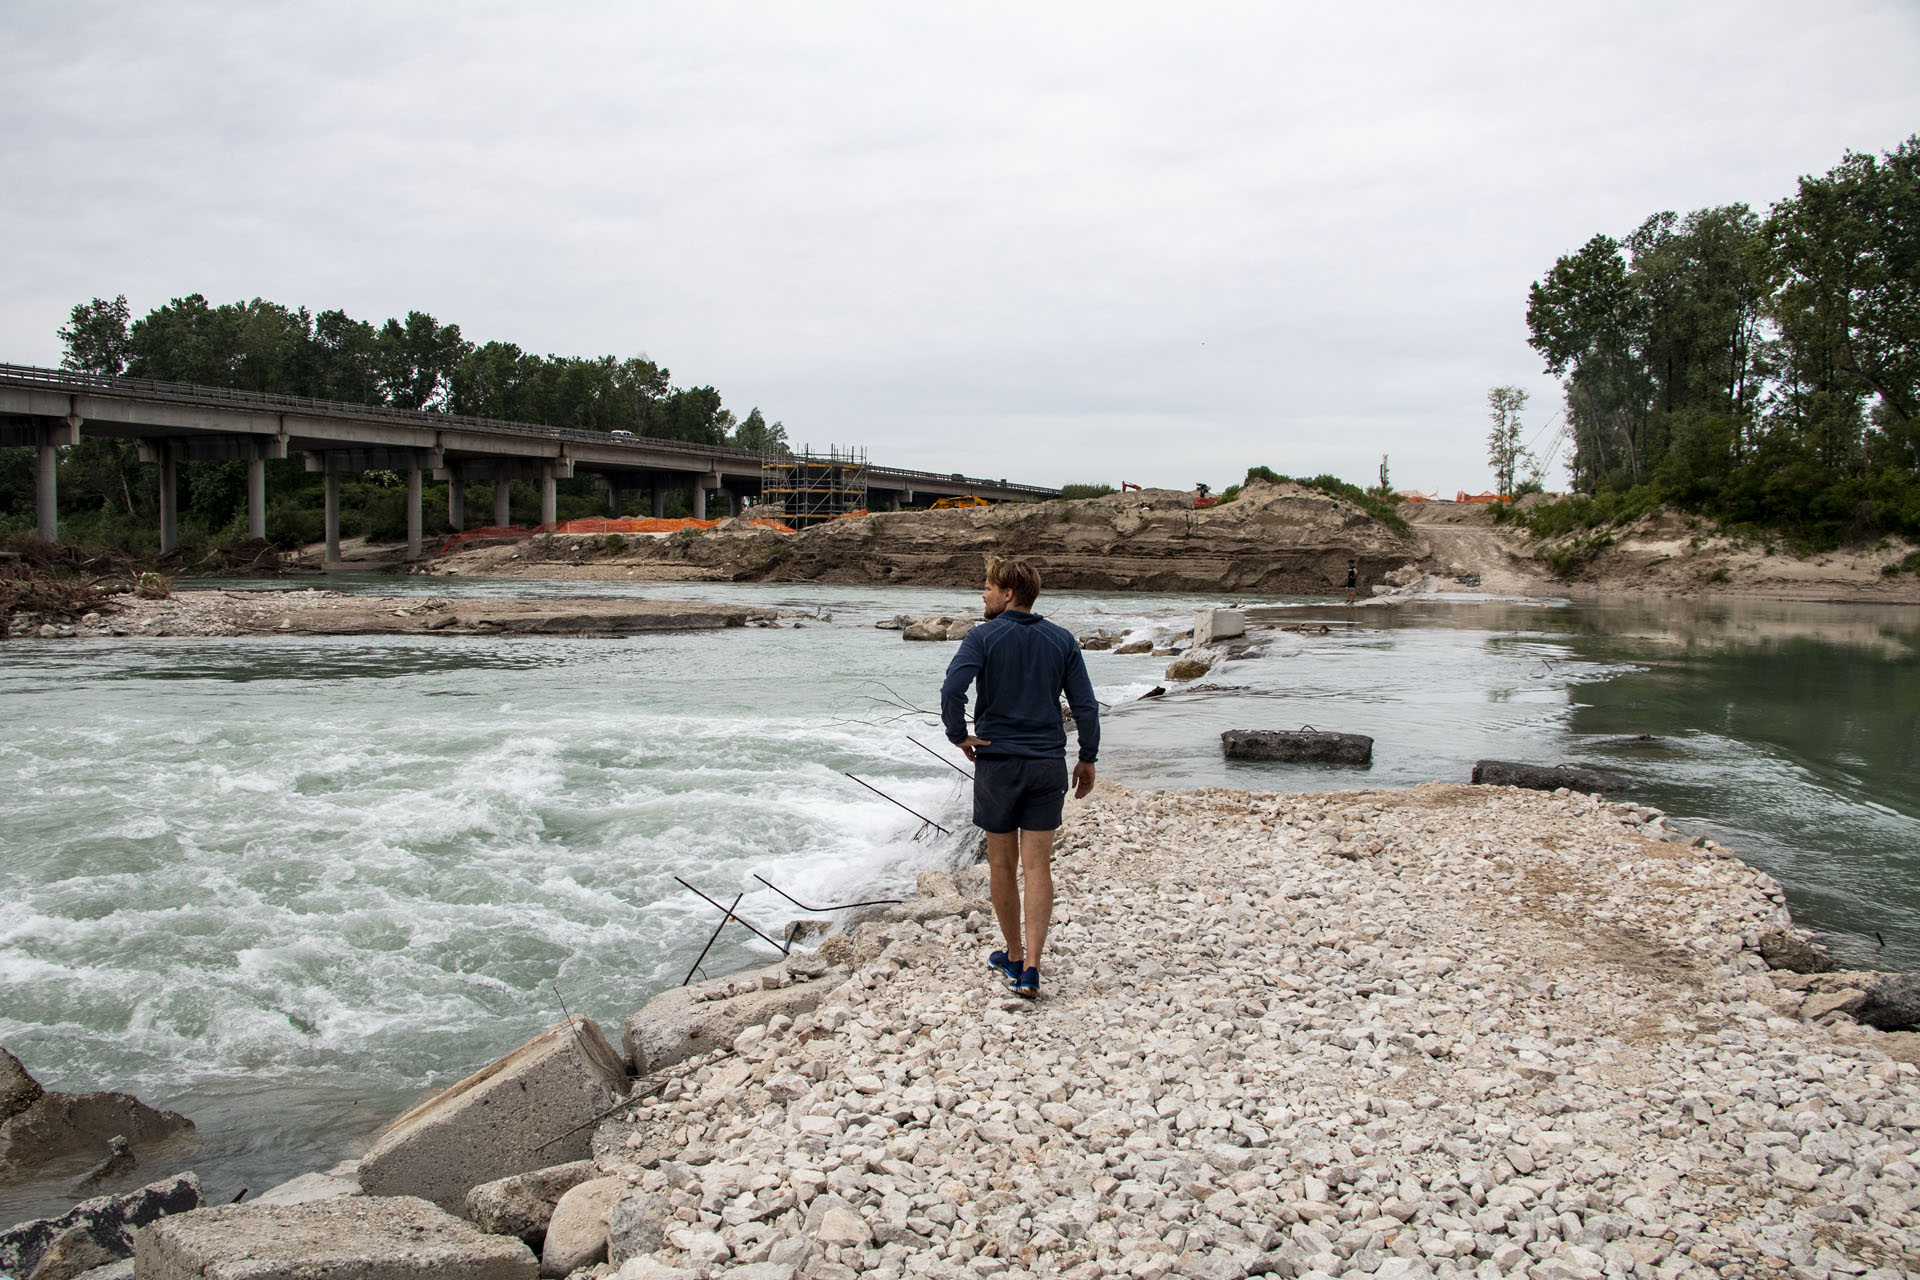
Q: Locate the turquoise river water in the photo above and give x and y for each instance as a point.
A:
(286, 885)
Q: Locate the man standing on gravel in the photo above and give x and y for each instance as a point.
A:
(1022, 663)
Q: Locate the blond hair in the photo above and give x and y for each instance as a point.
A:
(1016, 576)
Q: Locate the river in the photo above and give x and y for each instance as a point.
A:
(286, 885)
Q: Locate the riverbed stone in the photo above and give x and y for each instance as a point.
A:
(1784, 947)
(367, 1238)
(523, 1204)
(637, 1225)
(109, 1221)
(577, 1231)
(530, 1109)
(1188, 668)
(925, 629)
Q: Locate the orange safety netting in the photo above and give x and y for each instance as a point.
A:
(592, 525)
(1464, 496)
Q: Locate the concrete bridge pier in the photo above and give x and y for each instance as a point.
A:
(502, 506)
(659, 498)
(331, 518)
(700, 486)
(257, 493)
(169, 495)
(456, 499)
(46, 475)
(549, 497)
(46, 493)
(414, 522)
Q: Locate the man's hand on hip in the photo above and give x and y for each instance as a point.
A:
(968, 743)
(1082, 779)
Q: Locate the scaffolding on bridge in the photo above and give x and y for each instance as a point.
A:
(809, 488)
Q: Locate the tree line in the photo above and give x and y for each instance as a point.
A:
(1763, 368)
(107, 495)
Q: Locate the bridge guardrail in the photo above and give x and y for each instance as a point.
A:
(73, 381)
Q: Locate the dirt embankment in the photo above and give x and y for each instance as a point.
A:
(1272, 539)
(1661, 554)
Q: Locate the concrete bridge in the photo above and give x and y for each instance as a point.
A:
(174, 422)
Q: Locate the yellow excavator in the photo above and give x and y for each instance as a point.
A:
(964, 500)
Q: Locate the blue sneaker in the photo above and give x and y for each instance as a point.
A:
(1027, 985)
(1007, 968)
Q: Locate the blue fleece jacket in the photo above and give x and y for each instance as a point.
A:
(1023, 664)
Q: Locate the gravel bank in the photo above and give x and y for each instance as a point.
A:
(315, 612)
(1443, 1031)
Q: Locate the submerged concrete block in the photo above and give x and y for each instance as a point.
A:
(58, 1126)
(530, 1109)
(1509, 773)
(397, 1238)
(1297, 746)
(1217, 624)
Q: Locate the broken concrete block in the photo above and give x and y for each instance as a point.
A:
(678, 1024)
(307, 1188)
(367, 1238)
(1217, 624)
(1510, 773)
(531, 1109)
(523, 1204)
(1893, 1002)
(18, 1089)
(1297, 746)
(59, 1126)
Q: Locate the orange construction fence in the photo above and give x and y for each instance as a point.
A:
(1464, 496)
(591, 525)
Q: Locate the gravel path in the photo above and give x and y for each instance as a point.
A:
(1434, 1032)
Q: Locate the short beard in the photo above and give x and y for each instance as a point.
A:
(991, 612)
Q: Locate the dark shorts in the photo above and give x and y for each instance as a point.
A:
(1019, 793)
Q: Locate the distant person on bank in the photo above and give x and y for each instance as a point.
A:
(1022, 664)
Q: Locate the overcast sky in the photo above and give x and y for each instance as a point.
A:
(1056, 243)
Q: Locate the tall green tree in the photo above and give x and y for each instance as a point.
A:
(415, 361)
(1505, 453)
(1765, 369)
(756, 433)
(94, 339)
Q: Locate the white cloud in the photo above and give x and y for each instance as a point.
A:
(1066, 242)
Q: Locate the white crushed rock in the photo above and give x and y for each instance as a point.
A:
(1426, 1033)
